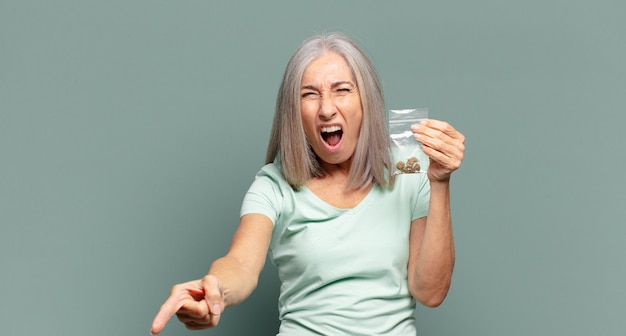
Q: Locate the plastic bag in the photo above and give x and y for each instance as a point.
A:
(405, 150)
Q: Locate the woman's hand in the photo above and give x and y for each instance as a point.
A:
(198, 305)
(443, 144)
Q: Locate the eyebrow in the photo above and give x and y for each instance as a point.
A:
(333, 85)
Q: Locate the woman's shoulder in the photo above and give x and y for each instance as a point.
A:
(271, 174)
(270, 170)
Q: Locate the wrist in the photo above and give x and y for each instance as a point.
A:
(440, 184)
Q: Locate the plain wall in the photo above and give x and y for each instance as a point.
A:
(130, 130)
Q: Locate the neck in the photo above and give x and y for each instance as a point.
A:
(336, 170)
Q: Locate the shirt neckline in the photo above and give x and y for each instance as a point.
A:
(354, 209)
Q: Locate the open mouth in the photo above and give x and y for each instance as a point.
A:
(332, 135)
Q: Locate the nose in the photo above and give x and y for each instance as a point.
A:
(328, 109)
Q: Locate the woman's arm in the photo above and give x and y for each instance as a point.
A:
(239, 270)
(431, 258)
(230, 280)
(431, 244)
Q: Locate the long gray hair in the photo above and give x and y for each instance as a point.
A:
(288, 143)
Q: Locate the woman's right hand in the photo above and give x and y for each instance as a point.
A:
(198, 305)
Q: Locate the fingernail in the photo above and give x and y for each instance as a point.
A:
(216, 309)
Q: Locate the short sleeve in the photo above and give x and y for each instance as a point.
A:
(421, 200)
(264, 195)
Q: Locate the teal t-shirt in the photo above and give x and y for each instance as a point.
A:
(342, 271)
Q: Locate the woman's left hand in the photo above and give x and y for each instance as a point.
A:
(443, 144)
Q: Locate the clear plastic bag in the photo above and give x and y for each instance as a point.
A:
(406, 151)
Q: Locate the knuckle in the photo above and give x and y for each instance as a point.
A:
(212, 285)
(210, 280)
(440, 144)
(176, 288)
(207, 278)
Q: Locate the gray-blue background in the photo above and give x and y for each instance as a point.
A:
(129, 131)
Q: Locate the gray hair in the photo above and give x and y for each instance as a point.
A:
(288, 143)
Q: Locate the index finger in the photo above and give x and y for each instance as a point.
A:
(443, 127)
(178, 297)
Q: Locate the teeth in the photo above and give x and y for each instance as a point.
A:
(331, 129)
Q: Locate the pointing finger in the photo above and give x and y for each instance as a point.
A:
(179, 295)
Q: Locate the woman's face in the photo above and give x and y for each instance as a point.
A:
(331, 108)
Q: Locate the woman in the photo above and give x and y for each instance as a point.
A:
(355, 247)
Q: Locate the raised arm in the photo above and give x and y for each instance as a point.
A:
(432, 255)
(230, 280)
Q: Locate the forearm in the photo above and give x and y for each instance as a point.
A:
(432, 272)
(238, 272)
(237, 281)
